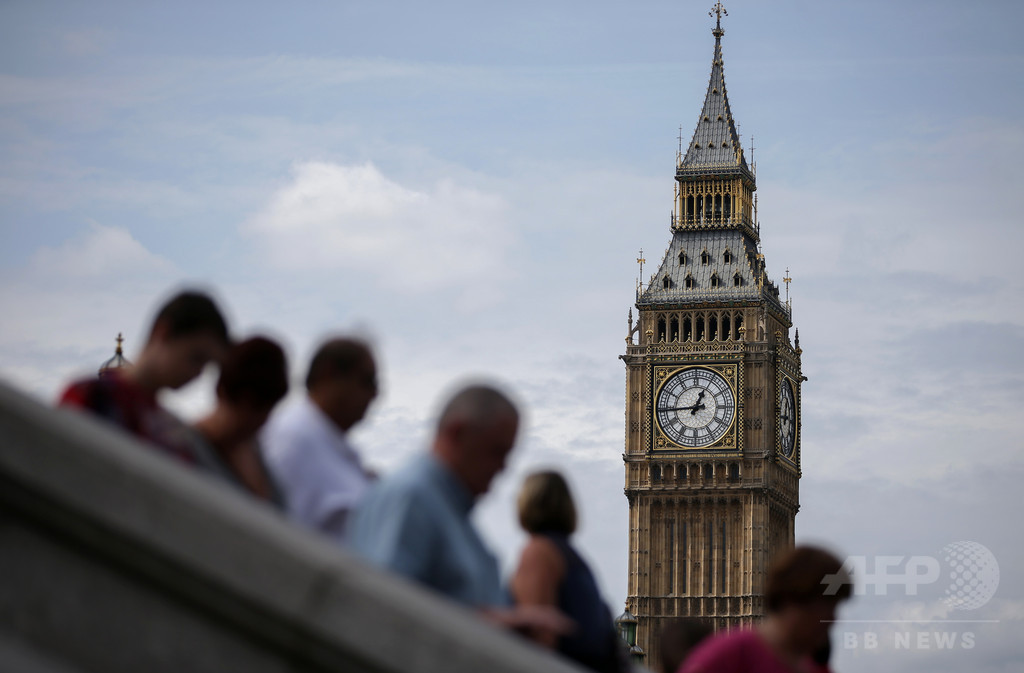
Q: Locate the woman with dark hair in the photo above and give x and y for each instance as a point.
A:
(552, 573)
(802, 591)
(253, 378)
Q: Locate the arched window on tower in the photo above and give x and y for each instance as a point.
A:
(737, 325)
(661, 329)
(727, 208)
(673, 331)
(726, 332)
(682, 258)
(715, 280)
(727, 257)
(705, 258)
(666, 282)
(689, 282)
(734, 472)
(712, 328)
(699, 331)
(737, 280)
(687, 329)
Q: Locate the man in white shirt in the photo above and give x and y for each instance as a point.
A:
(305, 445)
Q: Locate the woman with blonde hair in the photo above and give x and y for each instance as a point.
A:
(552, 573)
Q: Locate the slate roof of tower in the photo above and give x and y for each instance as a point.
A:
(715, 243)
(715, 146)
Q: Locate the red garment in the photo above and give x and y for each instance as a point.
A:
(124, 403)
(743, 651)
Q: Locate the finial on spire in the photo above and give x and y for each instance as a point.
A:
(116, 362)
(640, 278)
(787, 280)
(753, 164)
(757, 222)
(718, 11)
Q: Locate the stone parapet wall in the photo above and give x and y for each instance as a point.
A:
(116, 559)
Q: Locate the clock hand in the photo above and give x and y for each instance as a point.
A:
(681, 408)
(698, 405)
(694, 409)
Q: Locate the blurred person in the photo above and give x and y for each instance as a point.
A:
(678, 638)
(253, 379)
(306, 445)
(187, 333)
(821, 657)
(551, 572)
(802, 591)
(416, 522)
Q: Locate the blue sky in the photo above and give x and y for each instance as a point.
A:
(469, 184)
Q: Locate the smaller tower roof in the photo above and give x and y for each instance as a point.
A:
(119, 361)
(710, 266)
(626, 617)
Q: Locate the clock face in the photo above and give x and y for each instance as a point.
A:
(787, 418)
(695, 407)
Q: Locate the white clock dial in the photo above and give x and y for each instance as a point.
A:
(695, 407)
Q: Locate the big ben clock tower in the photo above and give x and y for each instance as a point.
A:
(712, 448)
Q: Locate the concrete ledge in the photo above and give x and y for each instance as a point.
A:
(114, 558)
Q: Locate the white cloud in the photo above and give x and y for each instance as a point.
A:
(338, 218)
(70, 301)
(100, 253)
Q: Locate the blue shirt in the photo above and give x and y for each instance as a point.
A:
(416, 523)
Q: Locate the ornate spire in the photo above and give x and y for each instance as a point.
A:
(117, 362)
(715, 147)
(718, 11)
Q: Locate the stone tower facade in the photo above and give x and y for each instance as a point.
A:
(712, 449)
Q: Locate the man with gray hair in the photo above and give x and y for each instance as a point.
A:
(416, 522)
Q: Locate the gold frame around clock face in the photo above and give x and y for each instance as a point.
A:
(695, 407)
(786, 434)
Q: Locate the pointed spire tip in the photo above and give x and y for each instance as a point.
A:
(718, 11)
